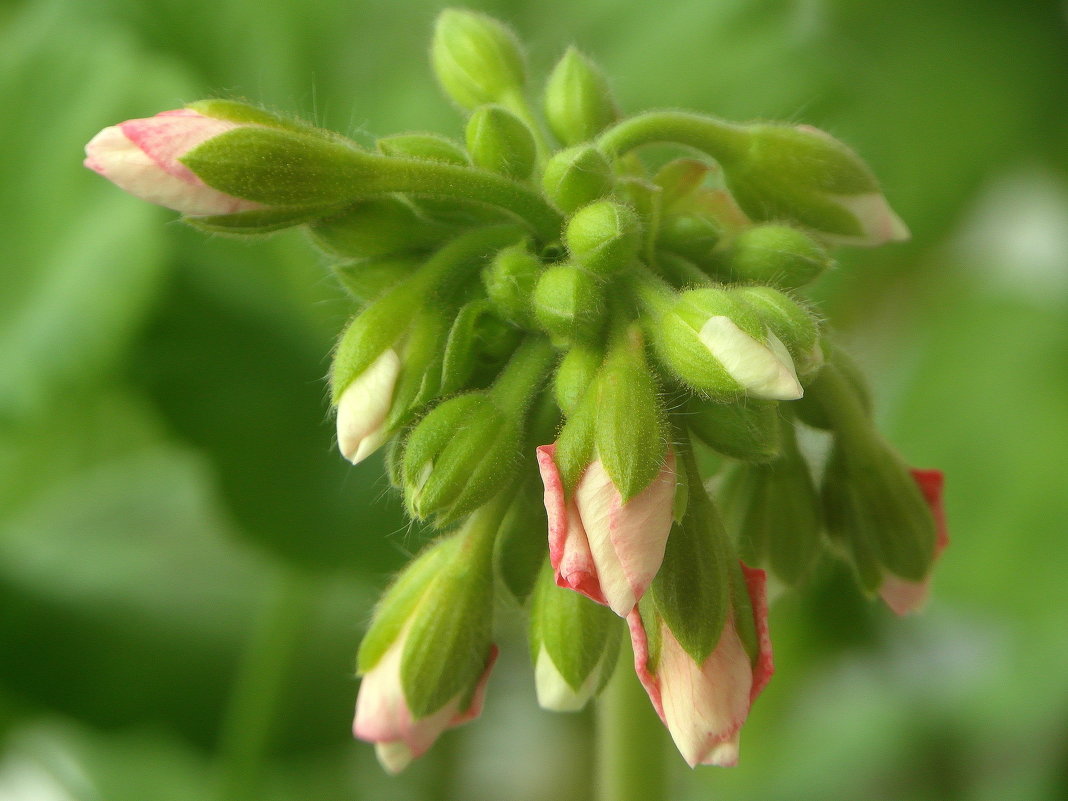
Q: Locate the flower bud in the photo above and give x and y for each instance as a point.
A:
(789, 321)
(879, 519)
(746, 430)
(779, 255)
(374, 228)
(478, 342)
(576, 176)
(705, 700)
(499, 141)
(459, 456)
(772, 511)
(578, 102)
(476, 59)
(427, 654)
(689, 235)
(603, 237)
(803, 174)
(721, 348)
(601, 544)
(364, 406)
(144, 156)
(509, 281)
(569, 304)
(574, 645)
(428, 146)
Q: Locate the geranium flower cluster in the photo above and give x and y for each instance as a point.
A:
(550, 334)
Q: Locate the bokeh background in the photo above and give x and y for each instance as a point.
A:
(186, 564)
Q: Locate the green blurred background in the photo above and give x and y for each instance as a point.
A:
(186, 564)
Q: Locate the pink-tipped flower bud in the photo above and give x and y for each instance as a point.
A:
(143, 157)
(600, 545)
(705, 702)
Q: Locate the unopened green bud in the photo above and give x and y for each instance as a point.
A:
(576, 176)
(574, 375)
(604, 236)
(815, 409)
(574, 645)
(476, 59)
(746, 430)
(689, 235)
(788, 320)
(478, 342)
(801, 173)
(578, 102)
(680, 272)
(772, 511)
(721, 348)
(374, 228)
(569, 304)
(777, 254)
(499, 141)
(367, 279)
(459, 456)
(509, 281)
(428, 146)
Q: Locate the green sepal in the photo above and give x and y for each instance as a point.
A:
(420, 378)
(875, 512)
(375, 228)
(630, 434)
(574, 375)
(519, 548)
(574, 177)
(575, 444)
(401, 599)
(280, 167)
(692, 587)
(476, 59)
(680, 272)
(367, 279)
(371, 332)
(446, 648)
(813, 409)
(499, 141)
(569, 304)
(604, 236)
(795, 326)
(471, 349)
(746, 429)
(578, 102)
(776, 254)
(651, 621)
(429, 146)
(772, 512)
(744, 615)
(247, 114)
(509, 281)
(579, 635)
(256, 221)
(645, 198)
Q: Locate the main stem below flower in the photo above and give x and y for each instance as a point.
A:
(258, 686)
(631, 747)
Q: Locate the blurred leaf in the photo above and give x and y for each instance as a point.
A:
(87, 260)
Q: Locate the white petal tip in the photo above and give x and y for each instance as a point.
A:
(393, 756)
